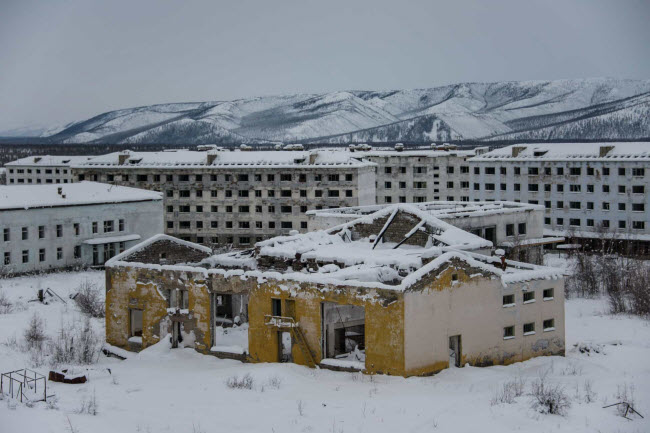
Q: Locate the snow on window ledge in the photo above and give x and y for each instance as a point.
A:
(529, 333)
(508, 305)
(529, 302)
(549, 329)
(510, 338)
(549, 298)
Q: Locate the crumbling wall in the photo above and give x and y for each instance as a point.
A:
(171, 252)
(401, 225)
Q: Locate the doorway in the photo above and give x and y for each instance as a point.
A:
(284, 347)
(455, 351)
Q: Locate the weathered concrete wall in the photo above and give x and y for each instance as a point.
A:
(472, 307)
(384, 327)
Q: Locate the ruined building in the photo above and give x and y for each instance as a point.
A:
(397, 291)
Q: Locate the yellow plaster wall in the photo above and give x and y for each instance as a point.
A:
(384, 324)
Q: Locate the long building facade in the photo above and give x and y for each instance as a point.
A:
(47, 227)
(238, 198)
(588, 190)
(42, 169)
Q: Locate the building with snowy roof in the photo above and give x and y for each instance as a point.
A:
(397, 291)
(220, 197)
(517, 228)
(42, 169)
(46, 227)
(589, 190)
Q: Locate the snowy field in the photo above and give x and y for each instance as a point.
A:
(163, 390)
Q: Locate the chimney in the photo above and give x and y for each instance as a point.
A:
(59, 190)
(504, 265)
(211, 157)
(516, 150)
(604, 150)
(122, 157)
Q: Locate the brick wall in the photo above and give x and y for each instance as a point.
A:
(172, 252)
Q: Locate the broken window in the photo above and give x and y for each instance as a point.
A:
(179, 299)
(508, 300)
(508, 332)
(548, 294)
(136, 323)
(549, 325)
(529, 297)
(276, 307)
(343, 332)
(529, 328)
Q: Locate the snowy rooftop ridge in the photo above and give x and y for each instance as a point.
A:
(17, 197)
(437, 209)
(606, 151)
(49, 160)
(188, 158)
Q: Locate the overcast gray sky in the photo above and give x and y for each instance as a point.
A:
(64, 60)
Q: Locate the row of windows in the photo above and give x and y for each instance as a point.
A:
(21, 180)
(528, 297)
(187, 225)
(577, 222)
(282, 177)
(421, 198)
(576, 205)
(42, 255)
(559, 171)
(535, 187)
(424, 169)
(237, 209)
(245, 193)
(528, 328)
(109, 226)
(38, 170)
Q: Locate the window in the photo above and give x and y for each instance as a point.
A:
(244, 225)
(638, 189)
(41, 232)
(590, 188)
(228, 209)
(522, 228)
(533, 187)
(490, 170)
(463, 169)
(7, 258)
(419, 185)
(605, 171)
(184, 208)
(621, 189)
(638, 225)
(183, 177)
(25, 256)
(184, 193)
(605, 224)
(388, 170)
(285, 177)
(276, 307)
(388, 185)
(574, 222)
(510, 229)
(285, 209)
(141, 178)
(6, 235)
(574, 188)
(348, 193)
(25, 233)
(621, 171)
(560, 171)
(318, 193)
(121, 225)
(605, 188)
(590, 205)
(59, 230)
(59, 253)
(517, 187)
(508, 300)
(605, 205)
(548, 294)
(75, 227)
(388, 199)
(285, 193)
(517, 170)
(559, 221)
(184, 225)
(332, 192)
(621, 206)
(170, 193)
(333, 177)
(638, 171)
(574, 205)
(574, 171)
(170, 224)
(529, 297)
(199, 225)
(244, 209)
(590, 222)
(529, 328)
(419, 170)
(450, 169)
(271, 224)
(621, 224)
(533, 171)
(548, 325)
(286, 225)
(508, 332)
(41, 255)
(135, 319)
(77, 252)
(638, 207)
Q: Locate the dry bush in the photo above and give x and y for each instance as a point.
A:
(6, 306)
(89, 300)
(35, 333)
(509, 391)
(235, 382)
(548, 398)
(75, 343)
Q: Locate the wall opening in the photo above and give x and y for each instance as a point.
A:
(343, 334)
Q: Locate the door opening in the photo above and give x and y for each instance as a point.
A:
(455, 351)
(284, 347)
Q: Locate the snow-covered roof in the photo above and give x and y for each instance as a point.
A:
(50, 160)
(233, 159)
(71, 194)
(424, 153)
(155, 238)
(340, 256)
(619, 151)
(445, 210)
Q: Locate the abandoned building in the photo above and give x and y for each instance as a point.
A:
(397, 291)
(517, 228)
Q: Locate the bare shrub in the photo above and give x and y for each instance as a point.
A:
(35, 333)
(589, 395)
(89, 299)
(235, 382)
(549, 398)
(624, 394)
(75, 343)
(583, 280)
(6, 306)
(274, 382)
(508, 391)
(88, 405)
(301, 408)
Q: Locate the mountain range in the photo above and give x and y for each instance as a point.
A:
(602, 108)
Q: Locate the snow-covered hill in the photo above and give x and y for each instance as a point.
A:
(572, 109)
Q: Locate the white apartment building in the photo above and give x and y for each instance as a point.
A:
(42, 169)
(417, 176)
(45, 227)
(587, 189)
(235, 197)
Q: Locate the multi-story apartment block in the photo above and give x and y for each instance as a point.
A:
(42, 169)
(44, 227)
(238, 198)
(588, 189)
(421, 176)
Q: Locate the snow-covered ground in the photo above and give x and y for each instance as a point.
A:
(164, 390)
